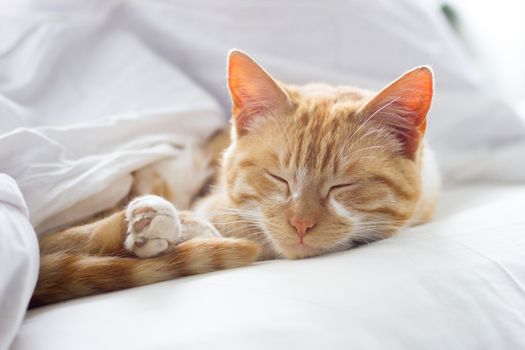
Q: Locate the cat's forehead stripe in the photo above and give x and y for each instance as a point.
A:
(317, 139)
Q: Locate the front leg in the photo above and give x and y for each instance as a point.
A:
(155, 226)
(150, 226)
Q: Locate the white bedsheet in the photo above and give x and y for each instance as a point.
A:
(91, 90)
(18, 259)
(457, 283)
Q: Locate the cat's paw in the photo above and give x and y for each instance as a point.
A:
(154, 226)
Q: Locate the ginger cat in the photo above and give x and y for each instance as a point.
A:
(310, 170)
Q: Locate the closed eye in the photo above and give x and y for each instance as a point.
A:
(278, 178)
(342, 186)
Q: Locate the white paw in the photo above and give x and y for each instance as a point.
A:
(154, 226)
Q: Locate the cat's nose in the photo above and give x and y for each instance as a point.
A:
(302, 225)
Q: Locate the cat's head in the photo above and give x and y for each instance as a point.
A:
(317, 167)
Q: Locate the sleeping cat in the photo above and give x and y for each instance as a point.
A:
(309, 170)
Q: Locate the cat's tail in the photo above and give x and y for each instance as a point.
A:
(65, 276)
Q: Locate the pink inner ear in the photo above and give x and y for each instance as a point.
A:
(254, 93)
(403, 106)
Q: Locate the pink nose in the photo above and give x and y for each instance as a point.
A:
(302, 224)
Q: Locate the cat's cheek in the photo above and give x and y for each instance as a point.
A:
(242, 189)
(274, 211)
(339, 208)
(342, 202)
(277, 198)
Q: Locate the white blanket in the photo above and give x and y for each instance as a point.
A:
(456, 284)
(91, 90)
(69, 68)
(85, 104)
(18, 259)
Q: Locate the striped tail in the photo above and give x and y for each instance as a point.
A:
(65, 276)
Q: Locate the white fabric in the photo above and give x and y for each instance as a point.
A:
(89, 103)
(81, 62)
(72, 172)
(457, 283)
(18, 259)
(91, 90)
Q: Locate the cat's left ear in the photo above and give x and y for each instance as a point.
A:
(402, 106)
(255, 94)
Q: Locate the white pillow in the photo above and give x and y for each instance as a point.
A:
(18, 259)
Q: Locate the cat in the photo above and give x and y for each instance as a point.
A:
(309, 170)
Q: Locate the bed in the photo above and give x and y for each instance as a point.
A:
(457, 283)
(92, 90)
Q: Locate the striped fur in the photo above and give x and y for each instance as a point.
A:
(92, 258)
(347, 160)
(309, 170)
(64, 276)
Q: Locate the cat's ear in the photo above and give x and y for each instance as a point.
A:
(253, 91)
(402, 106)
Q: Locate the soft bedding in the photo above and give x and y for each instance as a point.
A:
(18, 259)
(456, 283)
(93, 90)
(88, 87)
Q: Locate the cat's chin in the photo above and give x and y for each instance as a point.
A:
(299, 251)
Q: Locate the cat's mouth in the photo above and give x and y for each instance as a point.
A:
(291, 247)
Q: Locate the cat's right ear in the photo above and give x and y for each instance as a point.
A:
(253, 91)
(402, 107)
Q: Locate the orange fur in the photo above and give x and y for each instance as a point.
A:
(314, 169)
(309, 170)
(64, 275)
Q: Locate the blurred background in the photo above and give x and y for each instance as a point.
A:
(494, 34)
